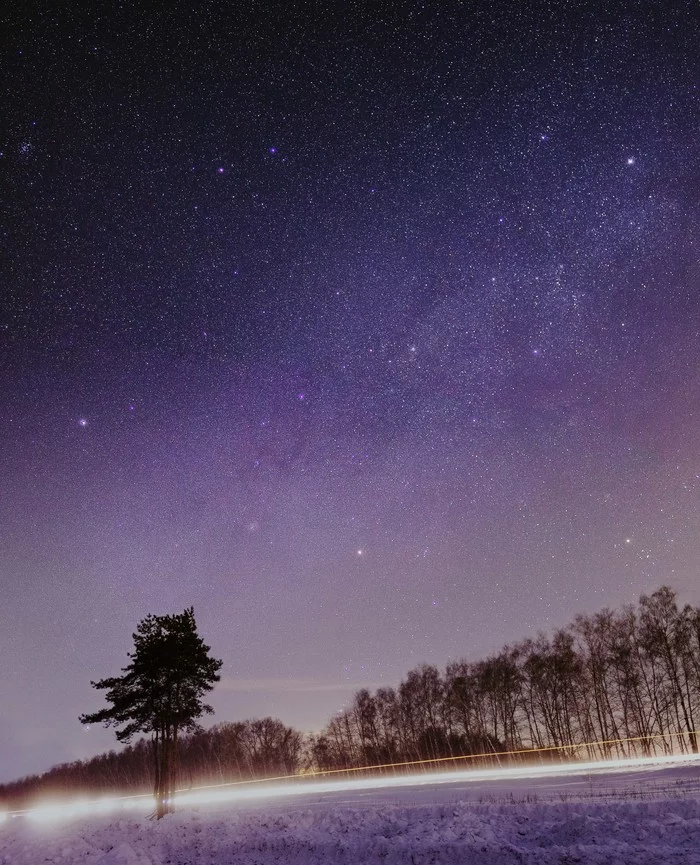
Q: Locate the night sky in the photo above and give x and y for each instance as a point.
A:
(374, 335)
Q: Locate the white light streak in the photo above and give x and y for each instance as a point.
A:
(50, 812)
(287, 790)
(255, 791)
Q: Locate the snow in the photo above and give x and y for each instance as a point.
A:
(632, 818)
(621, 832)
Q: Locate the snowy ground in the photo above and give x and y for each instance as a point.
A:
(634, 817)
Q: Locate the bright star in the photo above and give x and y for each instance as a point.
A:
(82, 422)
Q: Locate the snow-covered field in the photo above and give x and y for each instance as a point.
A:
(637, 818)
(470, 834)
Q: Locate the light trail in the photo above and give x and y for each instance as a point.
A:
(288, 786)
(217, 794)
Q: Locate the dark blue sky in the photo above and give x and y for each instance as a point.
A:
(372, 335)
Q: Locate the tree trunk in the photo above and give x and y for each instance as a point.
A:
(163, 782)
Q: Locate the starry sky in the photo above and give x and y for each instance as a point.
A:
(374, 335)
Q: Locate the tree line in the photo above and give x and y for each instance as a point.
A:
(242, 750)
(616, 683)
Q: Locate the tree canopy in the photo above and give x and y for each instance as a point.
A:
(161, 691)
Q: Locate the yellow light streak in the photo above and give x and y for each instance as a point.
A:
(497, 755)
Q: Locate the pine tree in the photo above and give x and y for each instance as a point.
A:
(160, 692)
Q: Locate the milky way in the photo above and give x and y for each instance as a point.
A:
(373, 336)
